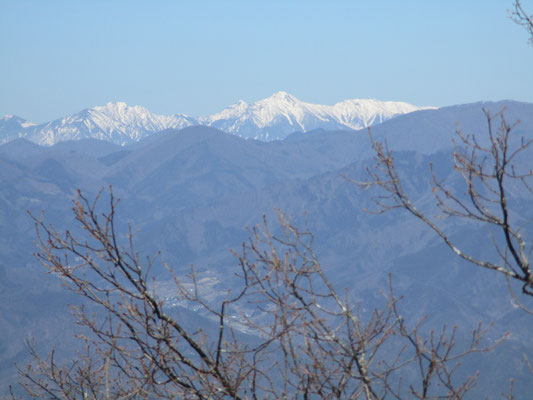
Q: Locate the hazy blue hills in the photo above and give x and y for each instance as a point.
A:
(192, 192)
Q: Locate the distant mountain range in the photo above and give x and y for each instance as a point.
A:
(272, 118)
(191, 193)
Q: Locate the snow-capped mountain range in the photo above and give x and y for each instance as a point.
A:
(272, 118)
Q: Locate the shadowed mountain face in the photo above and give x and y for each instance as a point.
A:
(191, 193)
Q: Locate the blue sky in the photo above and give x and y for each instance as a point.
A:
(196, 57)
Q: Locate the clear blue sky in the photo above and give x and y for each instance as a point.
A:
(196, 57)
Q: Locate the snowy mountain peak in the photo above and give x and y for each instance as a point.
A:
(272, 118)
(234, 111)
(116, 122)
(13, 127)
(120, 108)
(15, 120)
(238, 106)
(282, 96)
(281, 114)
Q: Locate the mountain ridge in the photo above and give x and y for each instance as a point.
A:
(190, 193)
(272, 118)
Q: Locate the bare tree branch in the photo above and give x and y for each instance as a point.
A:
(487, 172)
(522, 18)
(308, 341)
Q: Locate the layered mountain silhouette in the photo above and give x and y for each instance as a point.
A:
(191, 193)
